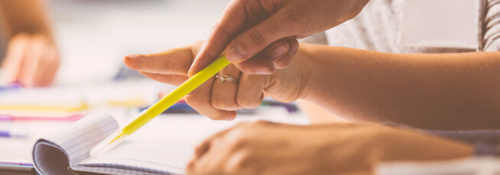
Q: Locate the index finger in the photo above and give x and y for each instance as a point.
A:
(232, 23)
(175, 61)
(204, 146)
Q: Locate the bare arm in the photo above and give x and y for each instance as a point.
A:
(445, 91)
(433, 91)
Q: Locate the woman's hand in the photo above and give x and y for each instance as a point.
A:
(220, 99)
(267, 148)
(32, 60)
(249, 26)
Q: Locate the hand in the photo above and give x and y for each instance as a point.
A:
(249, 26)
(219, 100)
(267, 148)
(32, 60)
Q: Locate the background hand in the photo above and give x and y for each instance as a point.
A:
(249, 26)
(32, 60)
(267, 148)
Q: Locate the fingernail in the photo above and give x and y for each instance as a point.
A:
(263, 71)
(278, 51)
(235, 54)
(229, 119)
(133, 56)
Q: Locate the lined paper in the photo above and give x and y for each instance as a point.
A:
(71, 146)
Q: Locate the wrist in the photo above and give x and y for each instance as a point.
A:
(293, 82)
(305, 70)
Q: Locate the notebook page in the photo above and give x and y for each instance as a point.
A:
(159, 155)
(55, 153)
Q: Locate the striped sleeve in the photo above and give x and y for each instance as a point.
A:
(490, 25)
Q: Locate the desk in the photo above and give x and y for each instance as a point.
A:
(194, 128)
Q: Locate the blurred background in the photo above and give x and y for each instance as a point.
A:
(94, 35)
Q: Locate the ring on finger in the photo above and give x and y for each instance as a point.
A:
(223, 78)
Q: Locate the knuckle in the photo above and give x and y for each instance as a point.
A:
(239, 161)
(256, 38)
(166, 63)
(260, 123)
(258, 66)
(292, 16)
(241, 124)
(238, 139)
(246, 102)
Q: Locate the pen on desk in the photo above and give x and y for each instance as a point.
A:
(13, 134)
(167, 101)
(4, 117)
(11, 86)
(16, 163)
(16, 169)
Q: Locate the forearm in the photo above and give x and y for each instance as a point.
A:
(446, 91)
(25, 16)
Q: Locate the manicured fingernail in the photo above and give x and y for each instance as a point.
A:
(278, 51)
(235, 54)
(263, 71)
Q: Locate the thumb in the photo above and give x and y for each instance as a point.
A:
(254, 40)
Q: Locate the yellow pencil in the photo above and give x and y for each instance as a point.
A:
(162, 105)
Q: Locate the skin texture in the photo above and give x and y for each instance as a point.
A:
(433, 91)
(412, 89)
(249, 26)
(215, 99)
(32, 58)
(317, 114)
(249, 148)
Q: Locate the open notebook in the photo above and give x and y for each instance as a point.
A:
(68, 151)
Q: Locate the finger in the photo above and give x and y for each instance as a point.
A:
(51, 70)
(224, 91)
(175, 61)
(233, 21)
(257, 65)
(250, 90)
(199, 99)
(285, 60)
(213, 161)
(34, 64)
(257, 38)
(263, 63)
(204, 146)
(172, 79)
(216, 153)
(16, 51)
(46, 58)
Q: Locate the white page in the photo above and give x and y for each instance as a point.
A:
(55, 153)
(162, 156)
(146, 152)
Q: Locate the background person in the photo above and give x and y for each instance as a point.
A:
(31, 57)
